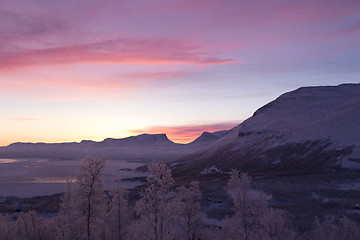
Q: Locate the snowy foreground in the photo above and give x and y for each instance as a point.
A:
(162, 212)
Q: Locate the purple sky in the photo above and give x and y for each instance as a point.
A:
(73, 70)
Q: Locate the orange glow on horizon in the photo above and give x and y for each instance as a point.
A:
(187, 133)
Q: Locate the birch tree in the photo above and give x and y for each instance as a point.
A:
(119, 214)
(249, 208)
(6, 227)
(189, 216)
(156, 208)
(329, 230)
(276, 225)
(69, 222)
(82, 210)
(31, 227)
(253, 219)
(90, 199)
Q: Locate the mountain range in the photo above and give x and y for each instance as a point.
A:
(144, 147)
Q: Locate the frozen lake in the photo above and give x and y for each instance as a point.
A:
(34, 177)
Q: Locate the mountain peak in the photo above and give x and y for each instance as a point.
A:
(207, 137)
(322, 113)
(142, 139)
(307, 95)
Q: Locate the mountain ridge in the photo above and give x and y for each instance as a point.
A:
(143, 137)
(208, 137)
(142, 147)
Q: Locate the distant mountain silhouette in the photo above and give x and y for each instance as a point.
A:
(144, 147)
(143, 139)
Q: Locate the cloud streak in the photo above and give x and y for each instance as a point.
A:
(22, 119)
(129, 51)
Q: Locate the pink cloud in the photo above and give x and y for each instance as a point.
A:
(155, 75)
(213, 28)
(186, 133)
(137, 51)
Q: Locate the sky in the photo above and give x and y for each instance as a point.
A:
(85, 69)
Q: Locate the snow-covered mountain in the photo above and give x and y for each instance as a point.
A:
(311, 129)
(207, 138)
(143, 139)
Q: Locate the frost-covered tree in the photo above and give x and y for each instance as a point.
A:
(327, 229)
(90, 197)
(31, 227)
(119, 214)
(348, 229)
(275, 225)
(6, 227)
(189, 216)
(253, 219)
(69, 222)
(156, 208)
(324, 230)
(249, 208)
(82, 210)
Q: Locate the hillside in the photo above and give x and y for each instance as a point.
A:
(302, 150)
(309, 130)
